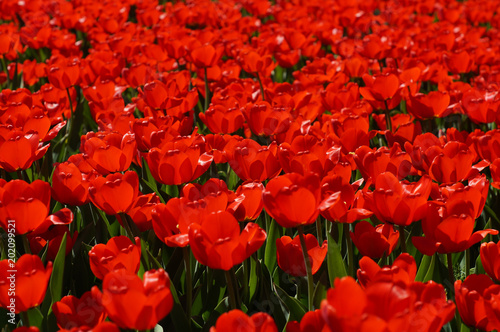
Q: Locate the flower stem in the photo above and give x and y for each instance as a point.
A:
(388, 122)
(261, 86)
(451, 275)
(233, 300)
(307, 261)
(402, 238)
(207, 90)
(350, 251)
(189, 281)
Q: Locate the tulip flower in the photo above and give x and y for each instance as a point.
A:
(118, 253)
(490, 259)
(265, 120)
(399, 203)
(221, 120)
(31, 279)
(411, 307)
(114, 193)
(380, 89)
(251, 161)
(428, 106)
(133, 303)
(248, 204)
(237, 320)
(108, 152)
(293, 199)
(471, 298)
(19, 150)
(70, 185)
(86, 311)
(217, 242)
(291, 259)
(403, 269)
(63, 73)
(27, 204)
(374, 242)
(179, 161)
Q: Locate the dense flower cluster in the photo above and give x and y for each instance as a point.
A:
(253, 165)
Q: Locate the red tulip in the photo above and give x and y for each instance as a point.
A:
(115, 193)
(237, 320)
(404, 269)
(27, 204)
(490, 259)
(265, 120)
(374, 242)
(70, 185)
(396, 202)
(251, 161)
(118, 253)
(108, 152)
(222, 120)
(217, 242)
(293, 199)
(84, 312)
(179, 161)
(63, 73)
(434, 104)
(133, 303)
(380, 89)
(19, 150)
(248, 204)
(471, 298)
(31, 279)
(291, 259)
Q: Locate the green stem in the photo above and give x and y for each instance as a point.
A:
(71, 109)
(388, 122)
(207, 90)
(25, 318)
(350, 251)
(451, 275)
(261, 86)
(467, 262)
(189, 281)
(26, 244)
(126, 225)
(402, 238)
(307, 261)
(233, 300)
(318, 231)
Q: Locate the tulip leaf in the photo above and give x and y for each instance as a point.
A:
(270, 251)
(178, 315)
(35, 316)
(336, 265)
(232, 180)
(320, 290)
(479, 266)
(296, 309)
(56, 279)
(426, 268)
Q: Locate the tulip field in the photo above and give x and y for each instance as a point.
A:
(253, 165)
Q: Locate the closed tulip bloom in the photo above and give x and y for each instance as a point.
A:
(69, 186)
(291, 259)
(251, 161)
(399, 202)
(86, 311)
(31, 281)
(179, 161)
(218, 243)
(374, 241)
(490, 258)
(470, 296)
(27, 204)
(237, 320)
(18, 150)
(109, 152)
(118, 253)
(248, 204)
(404, 269)
(115, 193)
(293, 199)
(428, 106)
(64, 73)
(138, 304)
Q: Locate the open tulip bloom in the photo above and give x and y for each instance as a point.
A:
(249, 165)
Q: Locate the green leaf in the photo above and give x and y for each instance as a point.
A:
(56, 279)
(181, 322)
(296, 309)
(426, 269)
(270, 252)
(35, 316)
(233, 180)
(336, 265)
